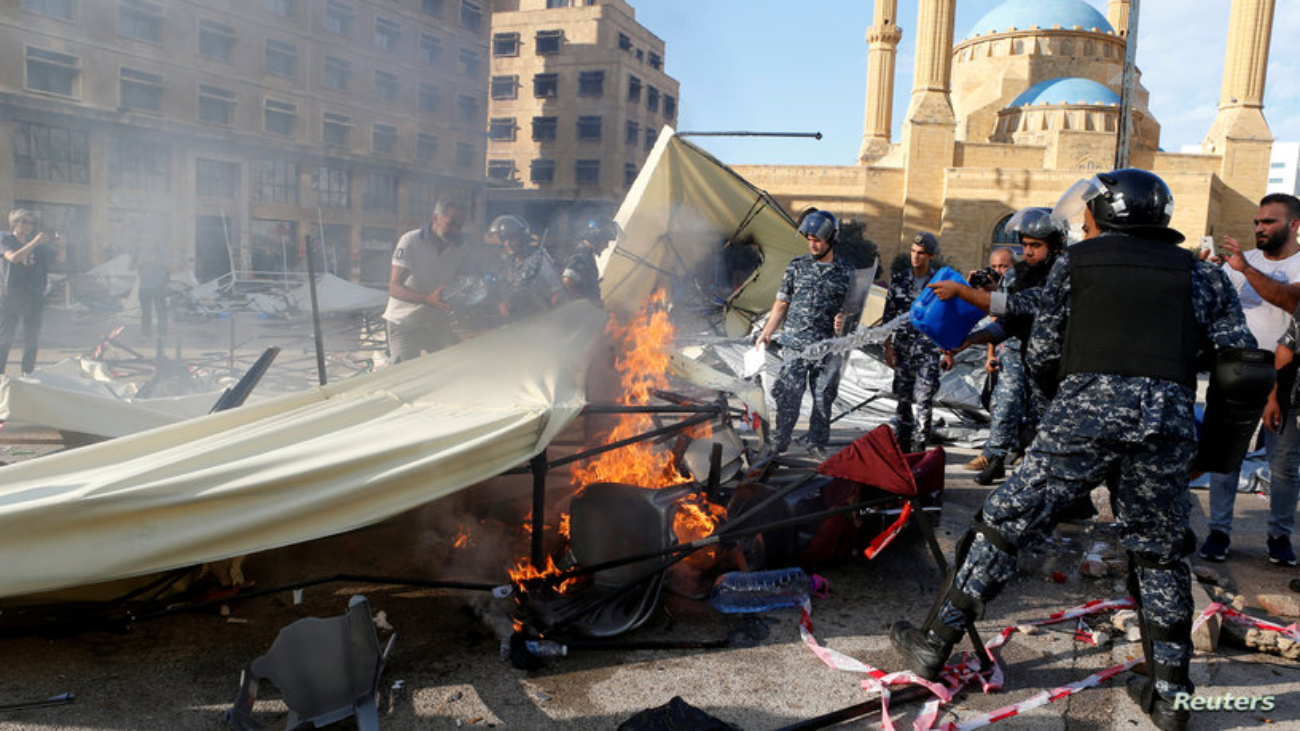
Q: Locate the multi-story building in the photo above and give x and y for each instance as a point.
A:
(578, 96)
(1284, 168)
(233, 130)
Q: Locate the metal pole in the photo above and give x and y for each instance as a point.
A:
(315, 312)
(539, 467)
(814, 135)
(1125, 131)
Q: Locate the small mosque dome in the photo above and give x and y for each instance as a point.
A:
(1026, 14)
(1069, 90)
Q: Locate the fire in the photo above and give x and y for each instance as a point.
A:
(646, 343)
(524, 571)
(697, 518)
(462, 538)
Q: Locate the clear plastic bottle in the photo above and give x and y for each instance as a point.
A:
(741, 592)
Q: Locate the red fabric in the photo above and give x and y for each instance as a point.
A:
(875, 459)
(887, 535)
(927, 470)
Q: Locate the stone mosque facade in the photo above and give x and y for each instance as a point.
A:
(1017, 111)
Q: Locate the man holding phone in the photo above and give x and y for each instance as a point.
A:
(24, 272)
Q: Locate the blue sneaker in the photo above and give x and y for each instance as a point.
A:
(1279, 551)
(1215, 547)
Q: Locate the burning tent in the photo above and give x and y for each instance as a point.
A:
(692, 224)
(295, 467)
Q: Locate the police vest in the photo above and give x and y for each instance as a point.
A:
(1131, 310)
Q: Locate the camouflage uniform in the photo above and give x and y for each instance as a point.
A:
(528, 282)
(1016, 407)
(916, 363)
(1138, 431)
(581, 269)
(816, 293)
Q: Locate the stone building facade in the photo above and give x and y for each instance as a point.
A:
(578, 96)
(1011, 115)
(232, 130)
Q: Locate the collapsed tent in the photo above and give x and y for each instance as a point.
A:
(687, 213)
(295, 467)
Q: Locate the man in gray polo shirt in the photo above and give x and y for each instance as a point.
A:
(425, 262)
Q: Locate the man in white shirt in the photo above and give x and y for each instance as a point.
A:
(425, 262)
(1268, 282)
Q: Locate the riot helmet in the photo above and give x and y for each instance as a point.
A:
(821, 224)
(598, 231)
(509, 227)
(1129, 201)
(1039, 223)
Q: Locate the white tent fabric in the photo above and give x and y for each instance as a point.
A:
(77, 395)
(681, 210)
(338, 295)
(295, 467)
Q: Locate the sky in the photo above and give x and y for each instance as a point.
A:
(777, 66)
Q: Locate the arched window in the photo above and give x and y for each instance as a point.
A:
(1002, 237)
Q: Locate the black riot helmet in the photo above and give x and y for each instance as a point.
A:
(1039, 223)
(598, 231)
(1129, 201)
(509, 227)
(821, 224)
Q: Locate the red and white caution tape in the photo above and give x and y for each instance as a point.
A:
(1291, 632)
(887, 535)
(957, 675)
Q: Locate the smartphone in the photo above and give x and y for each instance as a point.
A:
(1207, 246)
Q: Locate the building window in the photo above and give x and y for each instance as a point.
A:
(279, 117)
(629, 174)
(426, 147)
(432, 7)
(591, 83)
(46, 152)
(548, 41)
(335, 129)
(421, 195)
(1277, 165)
(429, 98)
(380, 193)
(430, 48)
(386, 33)
(332, 186)
(216, 105)
(505, 87)
(283, 8)
(589, 128)
(650, 137)
(544, 129)
(139, 20)
(215, 40)
(542, 171)
(546, 86)
(61, 9)
(471, 15)
(386, 86)
(216, 178)
(1274, 181)
(501, 170)
(336, 73)
(338, 17)
(557, 3)
(383, 138)
(464, 155)
(275, 181)
(505, 44)
(586, 172)
(141, 90)
(633, 133)
(281, 57)
(624, 42)
(468, 106)
(502, 129)
(670, 106)
(138, 163)
(56, 73)
(469, 62)
(652, 98)
(633, 89)
(656, 61)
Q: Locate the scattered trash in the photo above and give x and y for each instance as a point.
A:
(381, 621)
(740, 592)
(1057, 577)
(236, 620)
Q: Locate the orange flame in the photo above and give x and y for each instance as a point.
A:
(462, 538)
(523, 572)
(697, 518)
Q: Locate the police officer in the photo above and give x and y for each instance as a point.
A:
(581, 278)
(912, 355)
(1121, 318)
(1015, 411)
(528, 281)
(809, 307)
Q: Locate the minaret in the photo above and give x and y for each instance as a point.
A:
(1117, 15)
(882, 37)
(1239, 133)
(930, 131)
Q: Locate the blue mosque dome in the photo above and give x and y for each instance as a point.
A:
(1024, 14)
(1069, 90)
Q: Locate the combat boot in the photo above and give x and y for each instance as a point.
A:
(924, 650)
(1160, 708)
(995, 470)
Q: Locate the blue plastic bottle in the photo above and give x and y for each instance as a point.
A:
(946, 322)
(740, 592)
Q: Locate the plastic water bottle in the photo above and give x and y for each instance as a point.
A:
(760, 591)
